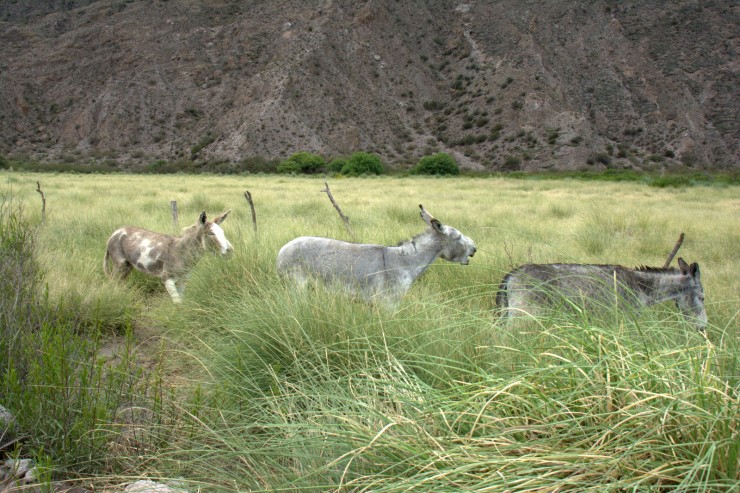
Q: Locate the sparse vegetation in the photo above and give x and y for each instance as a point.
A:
(433, 105)
(207, 140)
(512, 163)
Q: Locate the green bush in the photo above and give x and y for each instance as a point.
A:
(289, 167)
(204, 142)
(512, 163)
(363, 163)
(157, 165)
(302, 162)
(336, 165)
(437, 164)
(258, 164)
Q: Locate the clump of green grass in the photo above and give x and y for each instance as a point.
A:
(310, 389)
(64, 399)
(317, 391)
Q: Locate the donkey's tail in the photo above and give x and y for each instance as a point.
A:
(106, 267)
(502, 295)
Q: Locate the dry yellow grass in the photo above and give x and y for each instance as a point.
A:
(512, 221)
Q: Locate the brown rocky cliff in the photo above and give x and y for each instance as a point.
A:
(514, 84)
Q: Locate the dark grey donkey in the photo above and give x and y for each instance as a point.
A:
(375, 272)
(531, 288)
(165, 256)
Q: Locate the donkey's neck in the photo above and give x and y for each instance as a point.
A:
(658, 285)
(190, 246)
(418, 253)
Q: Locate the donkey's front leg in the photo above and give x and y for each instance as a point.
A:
(171, 286)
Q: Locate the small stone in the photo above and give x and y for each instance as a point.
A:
(149, 486)
(17, 468)
(31, 476)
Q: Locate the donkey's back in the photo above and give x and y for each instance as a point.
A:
(354, 266)
(130, 248)
(376, 272)
(165, 256)
(534, 288)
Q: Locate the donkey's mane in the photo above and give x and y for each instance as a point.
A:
(645, 268)
(639, 268)
(411, 241)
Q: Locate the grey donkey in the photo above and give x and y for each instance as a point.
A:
(531, 288)
(374, 272)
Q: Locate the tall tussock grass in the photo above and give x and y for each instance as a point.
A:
(313, 391)
(64, 399)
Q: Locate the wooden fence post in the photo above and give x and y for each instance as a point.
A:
(248, 196)
(345, 219)
(673, 252)
(175, 220)
(43, 202)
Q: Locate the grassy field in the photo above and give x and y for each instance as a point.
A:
(262, 387)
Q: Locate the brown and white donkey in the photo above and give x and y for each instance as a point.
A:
(165, 256)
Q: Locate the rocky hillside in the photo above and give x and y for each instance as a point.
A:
(510, 84)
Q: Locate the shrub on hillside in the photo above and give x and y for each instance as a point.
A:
(302, 163)
(336, 165)
(363, 163)
(512, 163)
(437, 164)
(599, 158)
(258, 164)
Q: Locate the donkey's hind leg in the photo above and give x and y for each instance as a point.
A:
(116, 267)
(171, 286)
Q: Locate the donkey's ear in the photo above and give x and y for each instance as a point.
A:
(222, 217)
(694, 270)
(683, 266)
(428, 218)
(203, 218)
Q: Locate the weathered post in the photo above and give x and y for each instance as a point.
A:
(344, 218)
(248, 196)
(175, 220)
(43, 201)
(673, 252)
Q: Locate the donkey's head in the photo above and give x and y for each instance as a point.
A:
(456, 247)
(212, 234)
(691, 299)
